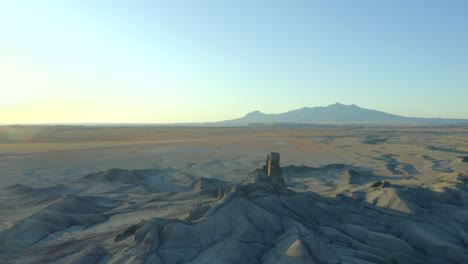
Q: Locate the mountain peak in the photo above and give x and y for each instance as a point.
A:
(342, 105)
(254, 113)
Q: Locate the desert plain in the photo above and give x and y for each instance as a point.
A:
(147, 194)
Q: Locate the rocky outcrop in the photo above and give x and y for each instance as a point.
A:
(271, 171)
(381, 184)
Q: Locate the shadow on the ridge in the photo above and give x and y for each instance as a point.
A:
(328, 174)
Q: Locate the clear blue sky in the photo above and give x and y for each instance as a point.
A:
(185, 61)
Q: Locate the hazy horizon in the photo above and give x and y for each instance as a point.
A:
(222, 121)
(205, 61)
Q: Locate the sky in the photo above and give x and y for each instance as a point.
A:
(149, 61)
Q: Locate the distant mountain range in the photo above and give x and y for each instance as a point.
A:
(331, 115)
(335, 113)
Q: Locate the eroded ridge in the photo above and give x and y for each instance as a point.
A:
(264, 221)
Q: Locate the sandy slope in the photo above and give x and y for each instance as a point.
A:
(178, 195)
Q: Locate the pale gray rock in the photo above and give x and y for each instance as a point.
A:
(260, 222)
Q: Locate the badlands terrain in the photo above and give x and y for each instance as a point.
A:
(71, 194)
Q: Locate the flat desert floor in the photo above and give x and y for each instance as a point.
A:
(71, 194)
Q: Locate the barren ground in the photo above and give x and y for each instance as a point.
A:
(63, 201)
